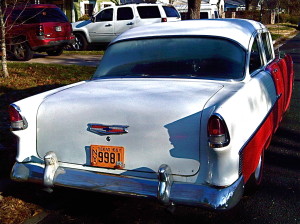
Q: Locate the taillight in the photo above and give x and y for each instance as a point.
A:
(164, 20)
(16, 120)
(40, 30)
(218, 135)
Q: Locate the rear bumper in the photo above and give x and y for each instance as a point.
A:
(163, 188)
(45, 43)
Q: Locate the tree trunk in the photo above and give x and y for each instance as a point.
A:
(3, 46)
(247, 4)
(194, 9)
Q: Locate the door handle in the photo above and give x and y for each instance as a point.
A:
(131, 23)
(107, 25)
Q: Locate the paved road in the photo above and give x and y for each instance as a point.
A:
(66, 59)
(277, 201)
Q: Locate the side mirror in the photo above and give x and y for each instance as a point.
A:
(93, 19)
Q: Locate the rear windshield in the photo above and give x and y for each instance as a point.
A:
(194, 57)
(38, 15)
(148, 12)
(171, 11)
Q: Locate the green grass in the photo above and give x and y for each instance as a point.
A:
(29, 75)
(282, 30)
(276, 36)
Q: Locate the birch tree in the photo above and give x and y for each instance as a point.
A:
(5, 28)
(3, 35)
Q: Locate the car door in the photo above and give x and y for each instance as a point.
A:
(125, 19)
(102, 29)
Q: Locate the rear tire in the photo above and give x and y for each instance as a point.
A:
(80, 43)
(256, 178)
(56, 52)
(22, 51)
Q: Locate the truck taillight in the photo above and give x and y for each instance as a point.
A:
(164, 20)
(218, 135)
(40, 30)
(16, 120)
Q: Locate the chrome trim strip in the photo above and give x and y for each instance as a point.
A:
(180, 192)
(261, 124)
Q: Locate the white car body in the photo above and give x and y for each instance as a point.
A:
(166, 124)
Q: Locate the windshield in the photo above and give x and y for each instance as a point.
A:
(203, 57)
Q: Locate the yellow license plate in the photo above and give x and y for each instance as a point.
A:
(107, 156)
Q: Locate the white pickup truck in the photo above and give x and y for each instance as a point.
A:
(103, 27)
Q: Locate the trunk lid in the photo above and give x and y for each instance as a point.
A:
(163, 119)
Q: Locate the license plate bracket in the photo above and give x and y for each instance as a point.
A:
(107, 156)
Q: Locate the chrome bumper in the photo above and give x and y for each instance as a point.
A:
(164, 189)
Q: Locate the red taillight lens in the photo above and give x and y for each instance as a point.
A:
(14, 115)
(16, 120)
(218, 135)
(40, 30)
(164, 20)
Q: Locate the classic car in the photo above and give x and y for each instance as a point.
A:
(181, 112)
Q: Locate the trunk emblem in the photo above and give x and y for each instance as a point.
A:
(101, 129)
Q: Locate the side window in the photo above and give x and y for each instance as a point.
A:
(170, 11)
(124, 13)
(267, 47)
(105, 15)
(148, 12)
(255, 57)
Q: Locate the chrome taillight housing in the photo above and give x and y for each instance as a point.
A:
(17, 121)
(218, 135)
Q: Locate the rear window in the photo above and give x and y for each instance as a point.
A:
(38, 15)
(211, 58)
(148, 12)
(170, 11)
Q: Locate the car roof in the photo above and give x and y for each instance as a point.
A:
(238, 30)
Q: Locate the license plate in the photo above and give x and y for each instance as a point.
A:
(58, 28)
(107, 156)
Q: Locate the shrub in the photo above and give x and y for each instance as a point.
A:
(286, 18)
(84, 17)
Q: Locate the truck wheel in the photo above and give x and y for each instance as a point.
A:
(80, 43)
(56, 52)
(256, 178)
(22, 51)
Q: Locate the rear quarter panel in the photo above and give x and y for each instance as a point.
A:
(244, 106)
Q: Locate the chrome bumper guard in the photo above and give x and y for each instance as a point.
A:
(164, 188)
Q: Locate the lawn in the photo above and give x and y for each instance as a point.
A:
(282, 31)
